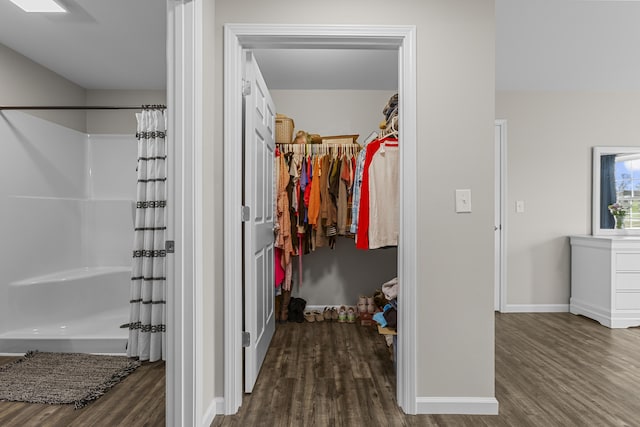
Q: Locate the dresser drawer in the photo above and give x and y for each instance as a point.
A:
(628, 281)
(628, 262)
(628, 300)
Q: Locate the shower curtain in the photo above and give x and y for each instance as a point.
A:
(148, 282)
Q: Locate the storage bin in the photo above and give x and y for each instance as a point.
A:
(284, 129)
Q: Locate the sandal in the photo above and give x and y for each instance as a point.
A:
(342, 314)
(309, 316)
(351, 315)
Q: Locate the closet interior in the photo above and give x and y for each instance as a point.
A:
(337, 206)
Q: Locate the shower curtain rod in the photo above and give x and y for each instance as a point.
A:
(72, 107)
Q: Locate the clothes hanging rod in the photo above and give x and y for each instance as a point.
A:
(79, 107)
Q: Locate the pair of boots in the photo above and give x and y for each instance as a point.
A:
(282, 306)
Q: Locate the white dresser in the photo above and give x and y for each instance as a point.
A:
(605, 279)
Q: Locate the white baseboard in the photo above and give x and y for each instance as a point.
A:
(536, 308)
(457, 405)
(320, 308)
(215, 407)
(219, 405)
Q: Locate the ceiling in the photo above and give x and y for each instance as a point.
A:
(99, 44)
(540, 45)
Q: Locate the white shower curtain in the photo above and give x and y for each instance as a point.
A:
(148, 279)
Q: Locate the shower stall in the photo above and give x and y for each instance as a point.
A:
(66, 227)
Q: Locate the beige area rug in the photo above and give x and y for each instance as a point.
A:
(62, 378)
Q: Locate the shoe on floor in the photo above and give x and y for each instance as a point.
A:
(309, 316)
(342, 314)
(351, 315)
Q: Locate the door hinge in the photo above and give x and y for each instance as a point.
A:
(246, 339)
(246, 87)
(245, 213)
(170, 246)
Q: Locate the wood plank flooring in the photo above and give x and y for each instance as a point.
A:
(138, 400)
(552, 369)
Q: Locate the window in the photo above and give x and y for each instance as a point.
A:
(627, 179)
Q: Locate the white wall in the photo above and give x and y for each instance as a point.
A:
(550, 139)
(66, 200)
(338, 276)
(456, 112)
(42, 178)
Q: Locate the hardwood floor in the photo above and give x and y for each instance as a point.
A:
(552, 369)
(138, 400)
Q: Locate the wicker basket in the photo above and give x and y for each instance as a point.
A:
(284, 129)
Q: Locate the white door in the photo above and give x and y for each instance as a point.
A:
(259, 150)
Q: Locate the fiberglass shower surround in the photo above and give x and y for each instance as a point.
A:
(67, 215)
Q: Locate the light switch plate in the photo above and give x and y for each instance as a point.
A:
(463, 201)
(519, 206)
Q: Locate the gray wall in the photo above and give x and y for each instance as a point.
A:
(456, 111)
(23, 82)
(549, 143)
(119, 121)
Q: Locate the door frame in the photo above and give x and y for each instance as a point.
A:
(238, 37)
(500, 214)
(184, 311)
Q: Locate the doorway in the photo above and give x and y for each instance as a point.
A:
(239, 37)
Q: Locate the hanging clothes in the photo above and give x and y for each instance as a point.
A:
(366, 216)
(357, 183)
(343, 196)
(314, 193)
(283, 227)
(384, 197)
(319, 191)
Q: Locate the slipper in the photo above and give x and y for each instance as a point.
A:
(342, 314)
(319, 316)
(327, 314)
(309, 316)
(334, 314)
(351, 315)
